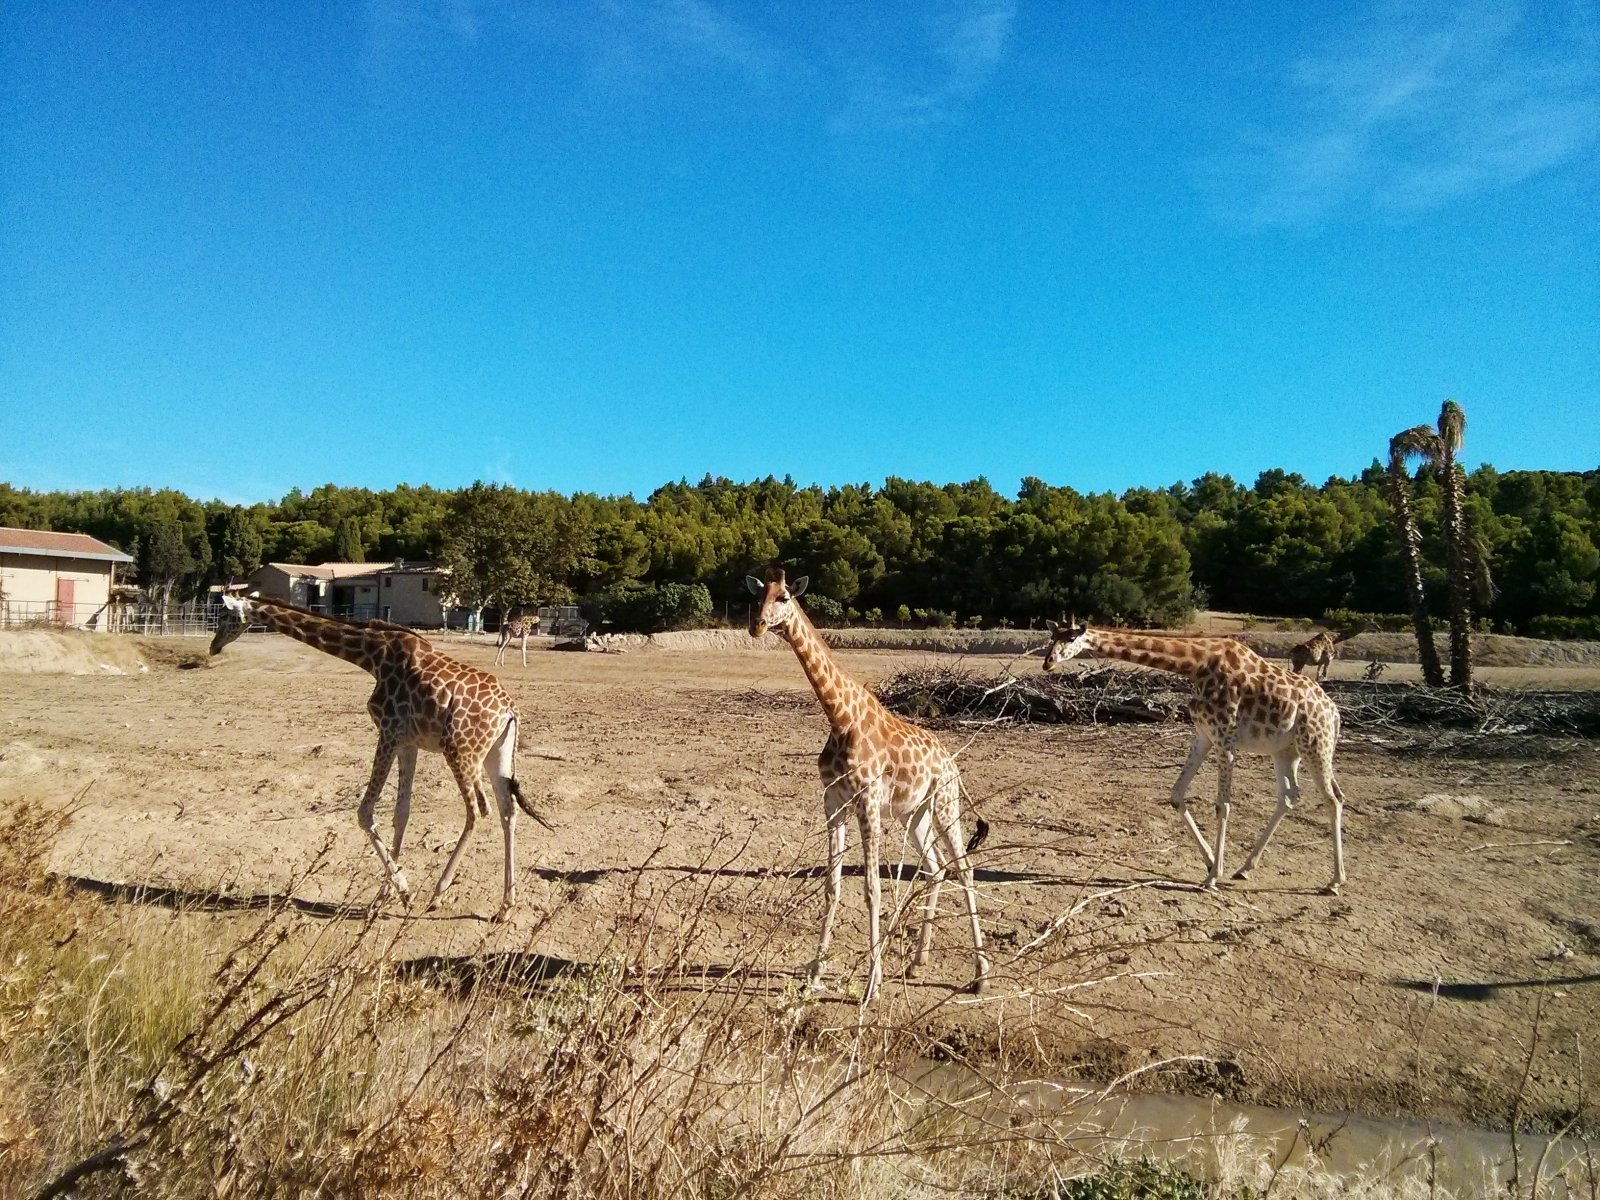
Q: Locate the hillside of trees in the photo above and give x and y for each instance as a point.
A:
(904, 551)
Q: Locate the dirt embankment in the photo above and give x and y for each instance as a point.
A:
(36, 651)
(1489, 650)
(72, 652)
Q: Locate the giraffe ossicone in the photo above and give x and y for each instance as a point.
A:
(886, 771)
(422, 700)
(1244, 704)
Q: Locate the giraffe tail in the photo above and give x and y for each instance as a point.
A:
(980, 830)
(522, 803)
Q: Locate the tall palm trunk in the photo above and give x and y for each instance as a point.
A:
(1403, 446)
(1459, 561)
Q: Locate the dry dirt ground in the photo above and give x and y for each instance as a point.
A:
(685, 783)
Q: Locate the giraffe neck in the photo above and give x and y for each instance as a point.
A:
(843, 699)
(339, 638)
(1182, 656)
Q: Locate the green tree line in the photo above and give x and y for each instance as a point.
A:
(905, 550)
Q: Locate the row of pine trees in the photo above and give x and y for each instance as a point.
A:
(1415, 535)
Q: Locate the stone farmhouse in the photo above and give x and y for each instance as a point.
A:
(64, 579)
(407, 593)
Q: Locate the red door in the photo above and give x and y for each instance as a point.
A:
(65, 609)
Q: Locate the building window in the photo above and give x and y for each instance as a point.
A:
(388, 581)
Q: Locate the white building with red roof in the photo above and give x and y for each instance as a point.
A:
(59, 578)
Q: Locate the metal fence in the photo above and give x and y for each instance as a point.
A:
(196, 619)
(193, 620)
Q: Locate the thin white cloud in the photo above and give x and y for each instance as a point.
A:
(646, 36)
(394, 27)
(964, 44)
(1420, 105)
(702, 27)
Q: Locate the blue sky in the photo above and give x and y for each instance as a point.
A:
(604, 244)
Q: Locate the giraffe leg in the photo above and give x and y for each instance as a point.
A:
(836, 804)
(1224, 799)
(402, 800)
(1199, 747)
(381, 762)
(1322, 772)
(923, 833)
(501, 764)
(470, 779)
(1288, 764)
(869, 813)
(955, 855)
(524, 649)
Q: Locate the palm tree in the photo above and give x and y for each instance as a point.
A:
(1417, 442)
(1458, 551)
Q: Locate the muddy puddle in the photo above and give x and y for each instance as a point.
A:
(1219, 1139)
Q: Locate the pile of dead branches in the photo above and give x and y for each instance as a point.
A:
(1100, 695)
(1373, 706)
(1113, 695)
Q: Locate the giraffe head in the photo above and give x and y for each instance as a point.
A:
(775, 600)
(234, 621)
(1066, 641)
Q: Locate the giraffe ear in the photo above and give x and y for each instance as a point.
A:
(755, 585)
(1051, 625)
(798, 587)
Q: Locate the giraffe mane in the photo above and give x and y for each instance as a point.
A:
(377, 624)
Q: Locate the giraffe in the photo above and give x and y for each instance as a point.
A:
(518, 627)
(884, 770)
(1317, 652)
(423, 701)
(1248, 705)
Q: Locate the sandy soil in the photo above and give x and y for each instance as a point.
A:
(695, 771)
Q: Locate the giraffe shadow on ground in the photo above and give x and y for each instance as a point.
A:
(200, 900)
(529, 972)
(893, 872)
(1486, 990)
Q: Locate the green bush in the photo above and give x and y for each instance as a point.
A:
(824, 610)
(649, 608)
(1565, 628)
(1142, 1180)
(1349, 618)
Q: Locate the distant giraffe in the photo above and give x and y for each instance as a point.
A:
(883, 769)
(423, 701)
(1248, 705)
(1318, 652)
(518, 627)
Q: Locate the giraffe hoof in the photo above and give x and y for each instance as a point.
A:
(979, 986)
(395, 887)
(1331, 890)
(1210, 885)
(1242, 873)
